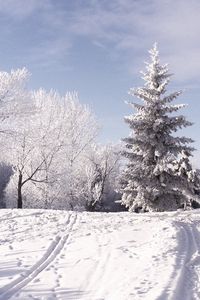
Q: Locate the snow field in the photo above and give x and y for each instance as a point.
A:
(58, 255)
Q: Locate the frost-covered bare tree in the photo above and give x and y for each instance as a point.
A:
(80, 129)
(5, 174)
(34, 144)
(47, 152)
(50, 146)
(102, 172)
(13, 93)
(13, 101)
(150, 182)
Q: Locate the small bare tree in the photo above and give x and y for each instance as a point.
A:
(102, 173)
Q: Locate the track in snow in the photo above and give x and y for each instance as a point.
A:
(52, 252)
(9, 216)
(94, 284)
(184, 281)
(105, 256)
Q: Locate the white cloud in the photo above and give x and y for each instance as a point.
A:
(133, 26)
(48, 53)
(126, 28)
(22, 8)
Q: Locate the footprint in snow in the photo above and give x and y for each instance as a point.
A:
(154, 257)
(10, 247)
(164, 228)
(19, 263)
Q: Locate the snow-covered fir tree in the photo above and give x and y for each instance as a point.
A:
(190, 176)
(152, 180)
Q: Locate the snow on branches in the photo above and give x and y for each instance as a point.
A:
(51, 148)
(150, 181)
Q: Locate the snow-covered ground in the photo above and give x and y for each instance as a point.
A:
(96, 256)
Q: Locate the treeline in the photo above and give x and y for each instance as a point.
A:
(50, 157)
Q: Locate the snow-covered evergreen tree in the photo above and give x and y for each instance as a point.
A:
(151, 182)
(189, 176)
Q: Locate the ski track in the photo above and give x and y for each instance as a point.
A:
(9, 216)
(105, 268)
(49, 256)
(100, 268)
(184, 280)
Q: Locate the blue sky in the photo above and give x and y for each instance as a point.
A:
(98, 48)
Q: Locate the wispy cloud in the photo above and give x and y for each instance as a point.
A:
(126, 28)
(21, 8)
(131, 27)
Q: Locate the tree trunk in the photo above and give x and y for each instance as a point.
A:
(19, 191)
